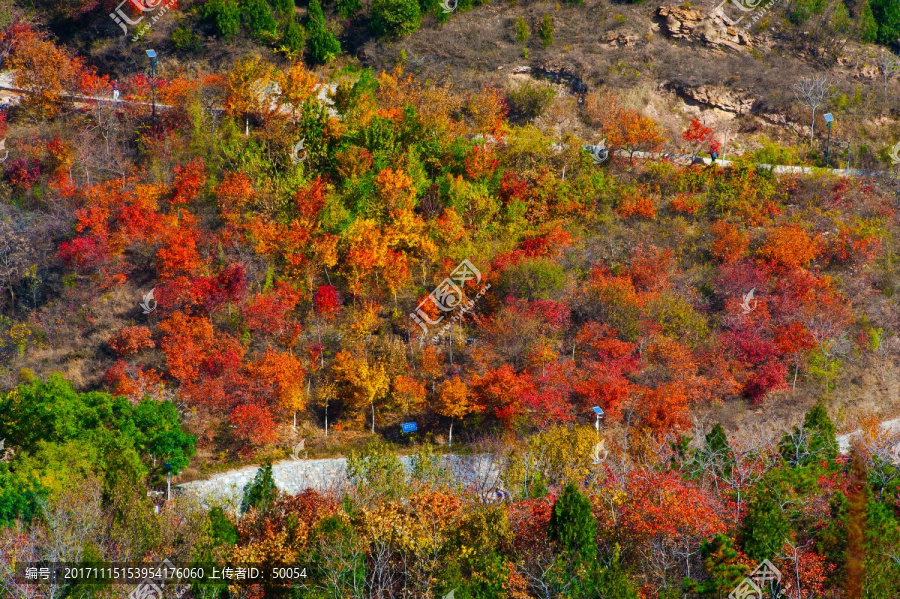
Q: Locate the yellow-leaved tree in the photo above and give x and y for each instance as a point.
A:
(363, 381)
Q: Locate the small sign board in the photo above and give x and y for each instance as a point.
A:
(409, 427)
(598, 410)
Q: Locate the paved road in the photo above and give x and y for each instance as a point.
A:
(293, 476)
(887, 427)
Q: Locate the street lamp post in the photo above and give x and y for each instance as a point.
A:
(151, 54)
(599, 412)
(828, 120)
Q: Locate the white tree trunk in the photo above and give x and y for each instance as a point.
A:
(812, 128)
(451, 433)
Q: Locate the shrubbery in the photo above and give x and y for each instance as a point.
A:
(529, 101)
(322, 45)
(224, 16)
(395, 18)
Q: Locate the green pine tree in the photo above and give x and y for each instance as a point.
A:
(314, 12)
(224, 16)
(283, 7)
(813, 442)
(765, 528)
(347, 8)
(322, 45)
(545, 31)
(572, 525)
(260, 493)
(294, 37)
(395, 18)
(866, 25)
(720, 562)
(258, 18)
(887, 16)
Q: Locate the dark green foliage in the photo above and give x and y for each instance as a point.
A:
(347, 8)
(721, 564)
(294, 37)
(314, 12)
(322, 45)
(804, 9)
(572, 525)
(163, 437)
(258, 18)
(395, 18)
(260, 493)
(765, 528)
(284, 8)
(222, 531)
(483, 579)
(887, 16)
(813, 442)
(545, 31)
(882, 574)
(823, 437)
(224, 16)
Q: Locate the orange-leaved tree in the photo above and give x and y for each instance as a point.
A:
(454, 401)
(284, 372)
(47, 72)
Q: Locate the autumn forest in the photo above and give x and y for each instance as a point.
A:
(273, 262)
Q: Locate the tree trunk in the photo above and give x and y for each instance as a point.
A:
(326, 420)
(812, 128)
(373, 417)
(450, 442)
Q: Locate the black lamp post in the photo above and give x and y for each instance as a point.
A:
(151, 54)
(828, 120)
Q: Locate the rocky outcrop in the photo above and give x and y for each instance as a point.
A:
(560, 75)
(729, 100)
(615, 39)
(699, 26)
